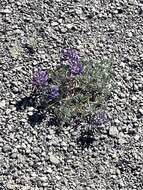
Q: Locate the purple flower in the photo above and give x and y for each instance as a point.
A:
(76, 69)
(71, 55)
(53, 92)
(102, 118)
(40, 78)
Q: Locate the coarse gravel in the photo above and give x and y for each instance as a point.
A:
(39, 157)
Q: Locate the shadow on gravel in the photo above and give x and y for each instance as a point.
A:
(86, 139)
(36, 118)
(24, 103)
(54, 121)
(29, 48)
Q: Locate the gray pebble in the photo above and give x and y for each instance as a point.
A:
(2, 104)
(6, 148)
(5, 11)
(141, 111)
(54, 159)
(113, 131)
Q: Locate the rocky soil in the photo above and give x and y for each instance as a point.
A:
(39, 157)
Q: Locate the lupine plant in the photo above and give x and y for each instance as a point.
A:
(77, 88)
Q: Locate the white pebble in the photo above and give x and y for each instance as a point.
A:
(54, 23)
(2, 104)
(113, 131)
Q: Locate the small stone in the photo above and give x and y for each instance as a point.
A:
(115, 11)
(54, 24)
(15, 89)
(133, 2)
(51, 131)
(63, 29)
(141, 56)
(121, 141)
(112, 27)
(136, 137)
(6, 148)
(60, 20)
(116, 121)
(121, 183)
(45, 184)
(10, 186)
(5, 11)
(17, 31)
(14, 155)
(54, 160)
(8, 111)
(69, 26)
(101, 169)
(141, 144)
(114, 155)
(33, 174)
(30, 113)
(28, 150)
(2, 104)
(113, 131)
(23, 146)
(44, 179)
(49, 170)
(35, 62)
(63, 144)
(122, 64)
(30, 109)
(58, 177)
(134, 98)
(78, 11)
(141, 111)
(130, 34)
(135, 87)
(26, 187)
(49, 137)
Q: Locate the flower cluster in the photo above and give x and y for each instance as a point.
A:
(71, 55)
(76, 69)
(40, 78)
(101, 118)
(53, 92)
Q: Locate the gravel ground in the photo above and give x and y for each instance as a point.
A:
(32, 33)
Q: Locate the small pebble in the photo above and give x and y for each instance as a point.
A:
(113, 131)
(54, 160)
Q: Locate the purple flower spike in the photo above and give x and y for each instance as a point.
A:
(102, 118)
(71, 55)
(53, 92)
(76, 69)
(40, 78)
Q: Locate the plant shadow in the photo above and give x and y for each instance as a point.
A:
(25, 102)
(29, 48)
(86, 139)
(36, 118)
